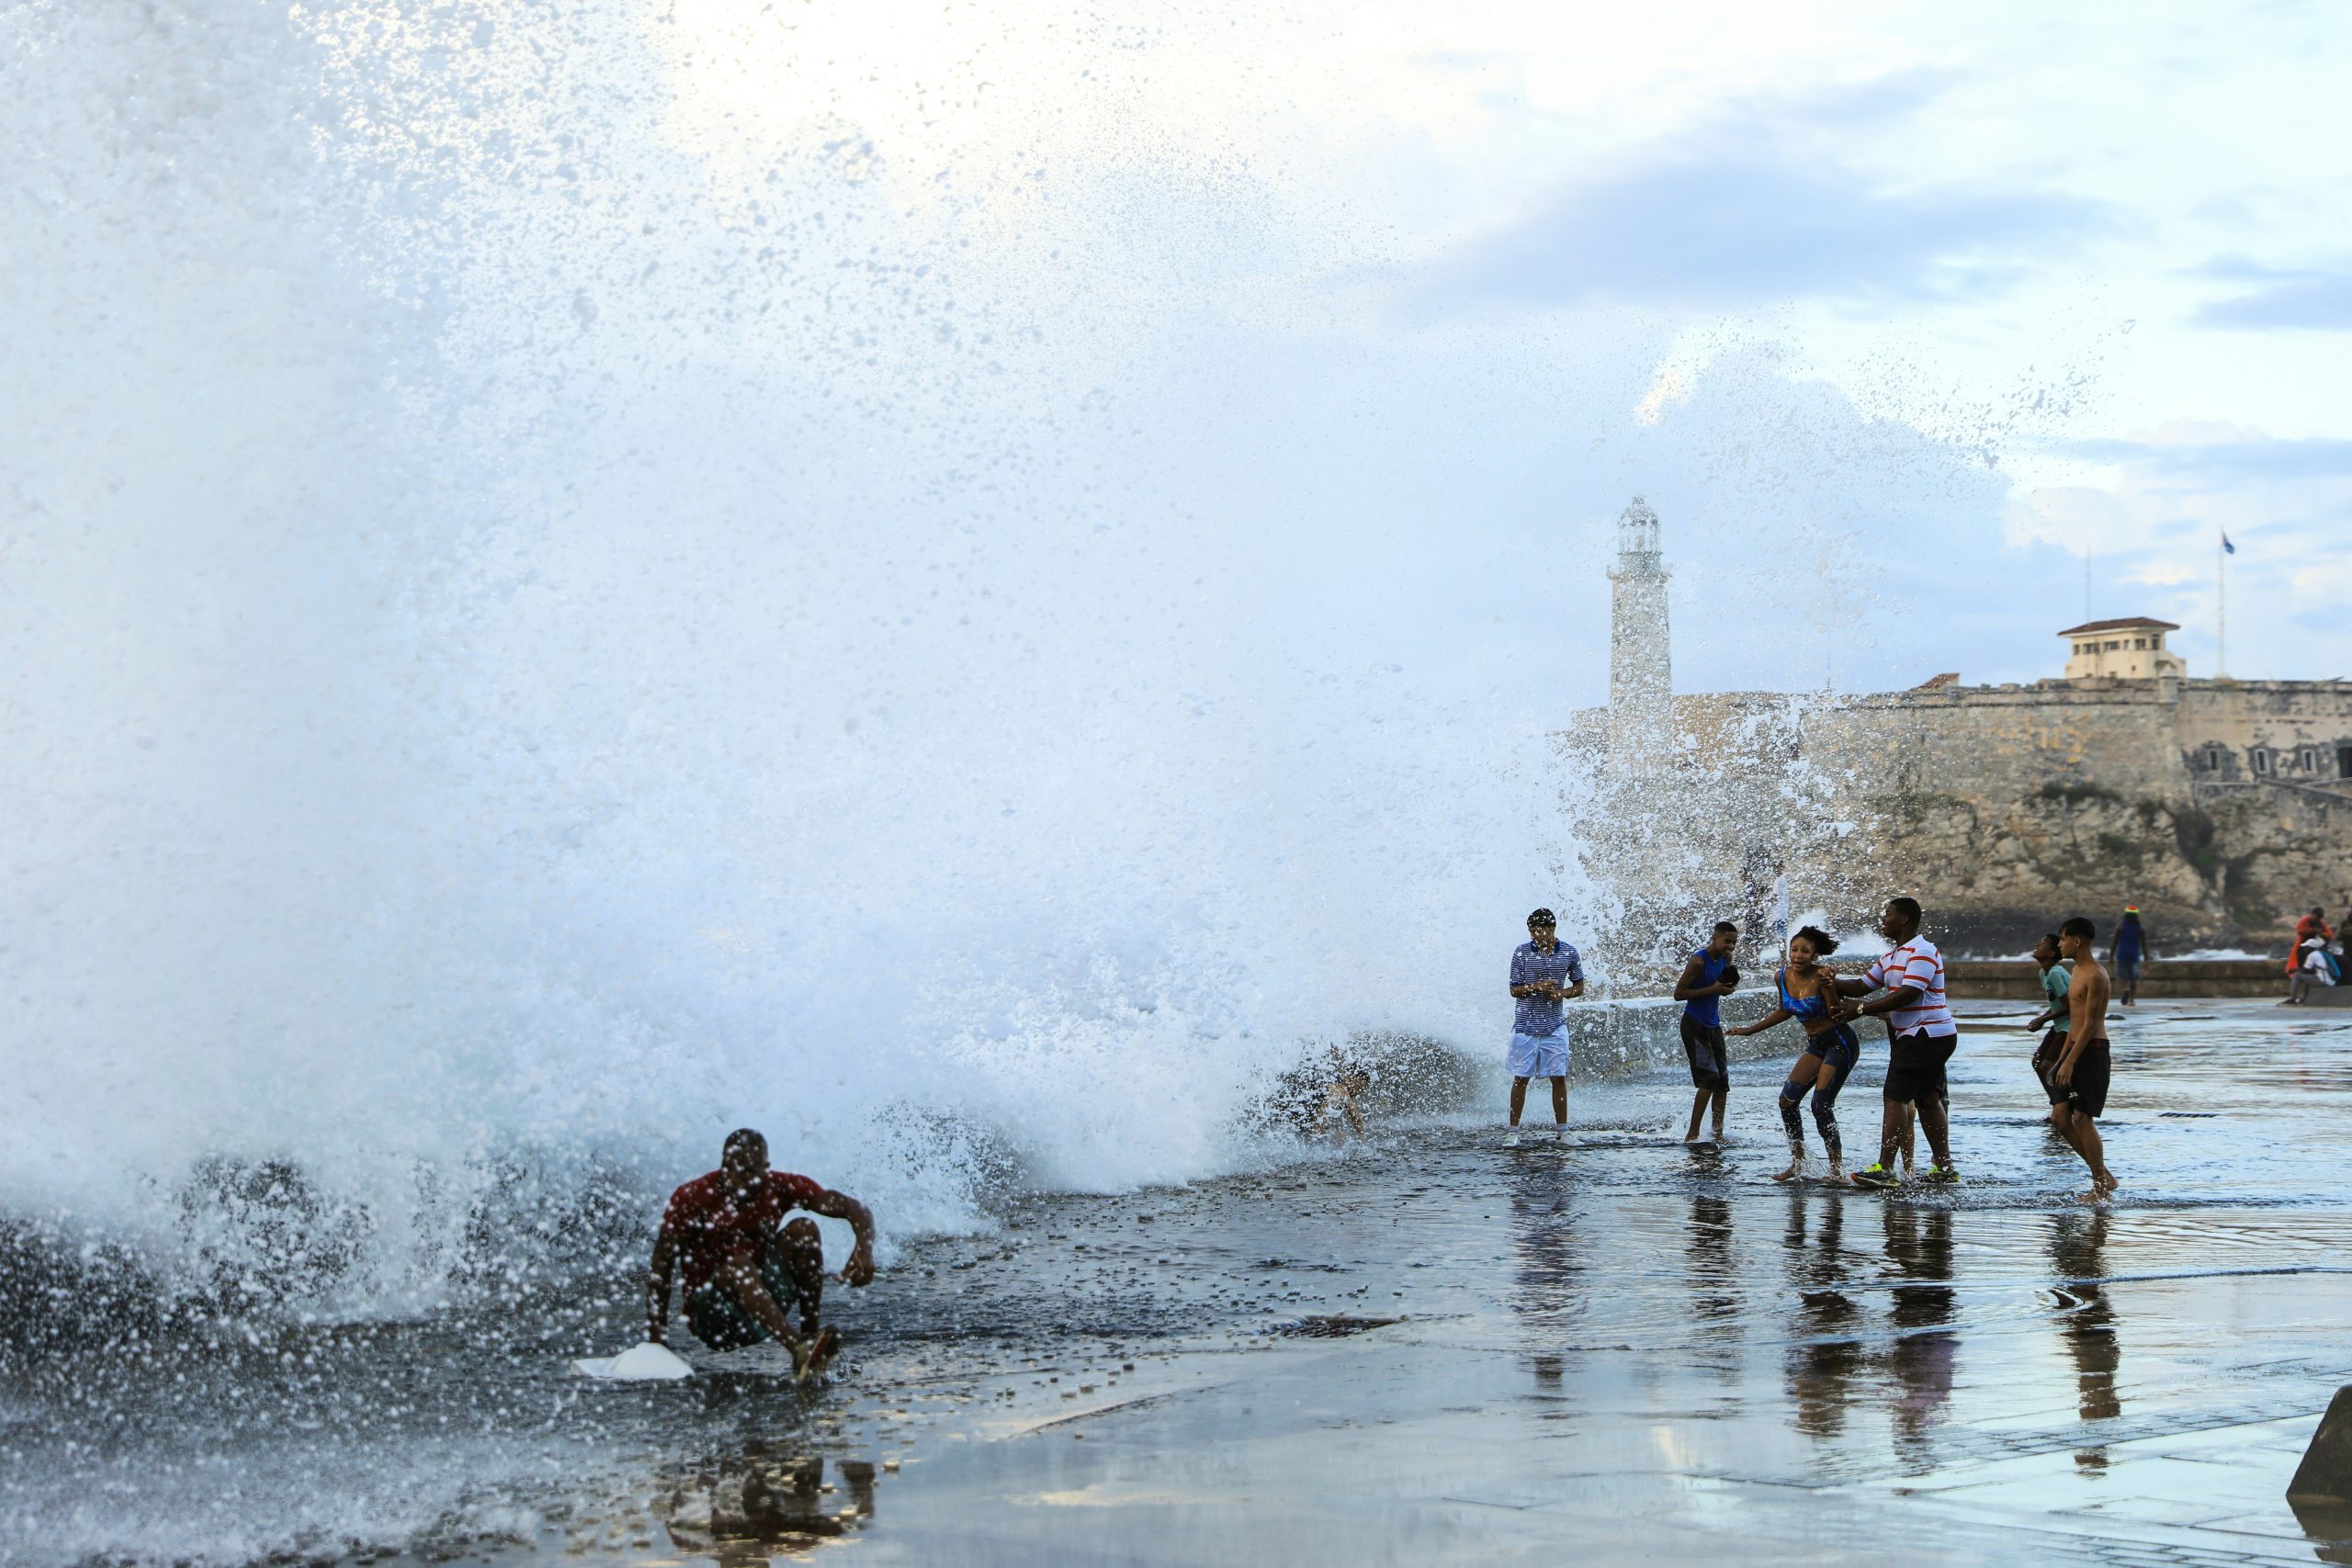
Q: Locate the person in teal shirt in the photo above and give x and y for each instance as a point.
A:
(2056, 976)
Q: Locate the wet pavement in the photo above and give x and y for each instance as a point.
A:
(1618, 1348)
(1426, 1348)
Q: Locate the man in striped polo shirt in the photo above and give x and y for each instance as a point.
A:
(1921, 1036)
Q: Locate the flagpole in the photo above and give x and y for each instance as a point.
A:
(2222, 609)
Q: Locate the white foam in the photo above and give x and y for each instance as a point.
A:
(648, 1362)
(530, 647)
(485, 720)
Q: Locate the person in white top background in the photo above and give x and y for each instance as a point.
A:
(2312, 969)
(1921, 1038)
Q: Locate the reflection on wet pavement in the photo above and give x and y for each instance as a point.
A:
(2329, 1525)
(1921, 1355)
(2086, 1321)
(1426, 1348)
(754, 1506)
(1619, 1349)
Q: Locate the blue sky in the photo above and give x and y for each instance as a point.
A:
(2007, 283)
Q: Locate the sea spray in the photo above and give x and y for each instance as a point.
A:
(523, 656)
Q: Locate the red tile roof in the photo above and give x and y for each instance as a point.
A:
(2124, 624)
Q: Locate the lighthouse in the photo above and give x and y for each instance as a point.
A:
(1641, 662)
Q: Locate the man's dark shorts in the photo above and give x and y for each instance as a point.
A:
(1704, 1046)
(2087, 1092)
(719, 1321)
(1914, 1066)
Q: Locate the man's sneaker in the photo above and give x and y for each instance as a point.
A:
(1876, 1176)
(1943, 1176)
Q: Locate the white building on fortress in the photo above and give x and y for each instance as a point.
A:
(2222, 808)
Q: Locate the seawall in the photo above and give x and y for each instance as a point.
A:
(1979, 979)
(2222, 808)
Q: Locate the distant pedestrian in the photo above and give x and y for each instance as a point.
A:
(1707, 976)
(2055, 977)
(1923, 1037)
(2078, 1083)
(2314, 925)
(2128, 948)
(1544, 972)
(2310, 968)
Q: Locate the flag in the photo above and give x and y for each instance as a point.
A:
(2227, 547)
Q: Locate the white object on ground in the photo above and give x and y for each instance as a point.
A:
(648, 1362)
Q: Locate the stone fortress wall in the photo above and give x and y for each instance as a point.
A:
(2222, 808)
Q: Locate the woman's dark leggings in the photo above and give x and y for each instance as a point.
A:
(1841, 1051)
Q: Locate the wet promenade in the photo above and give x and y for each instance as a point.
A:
(1424, 1349)
(1621, 1352)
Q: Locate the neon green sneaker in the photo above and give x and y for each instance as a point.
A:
(1876, 1176)
(1943, 1176)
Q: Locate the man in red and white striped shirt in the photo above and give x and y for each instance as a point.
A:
(1921, 1036)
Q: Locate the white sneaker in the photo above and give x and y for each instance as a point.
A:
(1510, 1139)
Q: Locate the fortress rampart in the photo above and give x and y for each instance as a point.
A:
(2222, 808)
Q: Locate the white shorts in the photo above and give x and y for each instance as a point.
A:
(1539, 1055)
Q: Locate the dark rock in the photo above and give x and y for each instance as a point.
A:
(2326, 1470)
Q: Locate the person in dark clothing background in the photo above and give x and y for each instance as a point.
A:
(2127, 950)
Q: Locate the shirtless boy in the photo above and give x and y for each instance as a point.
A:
(2078, 1083)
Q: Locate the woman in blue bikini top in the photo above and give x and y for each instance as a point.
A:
(1807, 990)
(1801, 1007)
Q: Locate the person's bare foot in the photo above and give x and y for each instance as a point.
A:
(2105, 1186)
(1838, 1177)
(1796, 1168)
(814, 1354)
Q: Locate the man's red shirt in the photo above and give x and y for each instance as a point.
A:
(711, 1227)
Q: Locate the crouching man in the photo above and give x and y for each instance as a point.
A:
(745, 1265)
